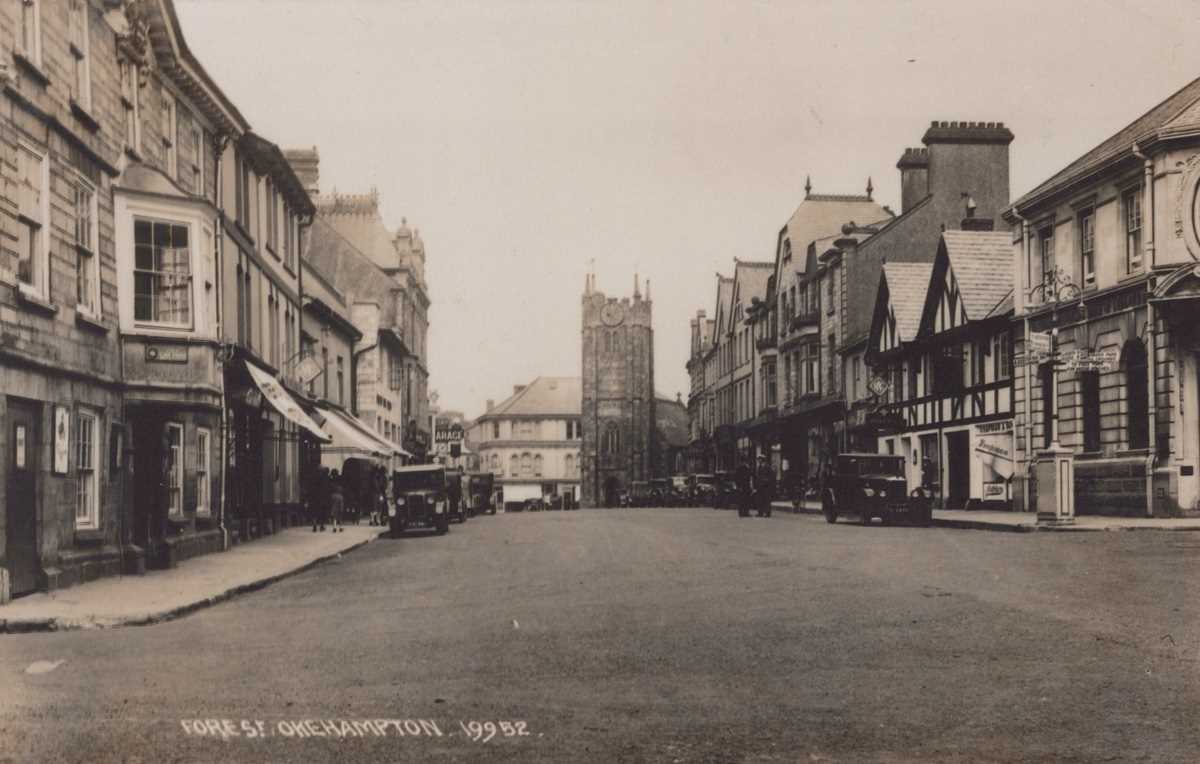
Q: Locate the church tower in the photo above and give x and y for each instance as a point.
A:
(618, 394)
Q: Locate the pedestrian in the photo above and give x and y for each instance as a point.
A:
(337, 502)
(745, 479)
(320, 502)
(764, 486)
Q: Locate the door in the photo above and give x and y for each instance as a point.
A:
(958, 465)
(611, 487)
(20, 548)
(149, 503)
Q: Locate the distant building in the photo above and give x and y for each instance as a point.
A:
(531, 440)
(618, 394)
(672, 436)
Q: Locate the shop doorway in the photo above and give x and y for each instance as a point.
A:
(149, 500)
(24, 445)
(958, 469)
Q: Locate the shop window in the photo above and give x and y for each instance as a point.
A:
(1137, 398)
(174, 468)
(203, 473)
(87, 484)
(162, 275)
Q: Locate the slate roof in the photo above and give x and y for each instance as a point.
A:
(544, 396)
(822, 215)
(1177, 111)
(724, 292)
(907, 284)
(982, 263)
(752, 280)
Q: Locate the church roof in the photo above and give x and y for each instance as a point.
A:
(544, 396)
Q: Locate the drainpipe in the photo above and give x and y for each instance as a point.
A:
(1022, 276)
(1151, 334)
(218, 278)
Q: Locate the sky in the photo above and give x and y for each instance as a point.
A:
(532, 141)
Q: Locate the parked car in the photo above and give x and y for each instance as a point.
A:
(660, 492)
(639, 494)
(480, 486)
(726, 496)
(681, 493)
(866, 486)
(419, 499)
(703, 490)
(454, 495)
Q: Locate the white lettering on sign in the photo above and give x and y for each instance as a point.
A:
(255, 729)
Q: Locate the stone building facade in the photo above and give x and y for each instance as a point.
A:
(62, 476)
(618, 399)
(1106, 251)
(531, 441)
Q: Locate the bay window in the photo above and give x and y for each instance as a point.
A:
(162, 273)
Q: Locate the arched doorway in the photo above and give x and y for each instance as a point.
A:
(612, 487)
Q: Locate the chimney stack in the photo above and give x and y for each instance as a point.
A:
(968, 155)
(914, 177)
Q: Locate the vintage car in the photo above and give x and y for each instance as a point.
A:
(639, 494)
(419, 499)
(660, 492)
(454, 495)
(480, 485)
(703, 490)
(726, 496)
(681, 494)
(867, 486)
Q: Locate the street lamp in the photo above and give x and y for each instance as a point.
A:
(1055, 466)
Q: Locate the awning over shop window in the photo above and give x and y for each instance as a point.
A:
(353, 438)
(522, 491)
(283, 402)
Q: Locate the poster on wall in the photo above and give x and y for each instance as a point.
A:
(62, 439)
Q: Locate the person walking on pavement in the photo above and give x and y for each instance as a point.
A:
(764, 486)
(320, 503)
(745, 478)
(337, 502)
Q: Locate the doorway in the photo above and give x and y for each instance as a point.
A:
(149, 500)
(958, 469)
(24, 447)
(611, 487)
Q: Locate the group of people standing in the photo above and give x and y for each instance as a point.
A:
(756, 487)
(334, 496)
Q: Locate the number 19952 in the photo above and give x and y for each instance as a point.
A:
(482, 732)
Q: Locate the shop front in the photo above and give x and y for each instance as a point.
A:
(264, 452)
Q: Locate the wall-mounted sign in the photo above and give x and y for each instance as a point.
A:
(448, 434)
(62, 439)
(167, 353)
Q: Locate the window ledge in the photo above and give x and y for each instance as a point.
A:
(84, 116)
(29, 298)
(177, 519)
(32, 69)
(90, 321)
(90, 536)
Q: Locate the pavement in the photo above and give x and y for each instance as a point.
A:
(657, 635)
(1025, 522)
(160, 595)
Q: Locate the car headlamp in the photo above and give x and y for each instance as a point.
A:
(868, 491)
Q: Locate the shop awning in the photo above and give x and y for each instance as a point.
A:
(352, 438)
(283, 402)
(522, 491)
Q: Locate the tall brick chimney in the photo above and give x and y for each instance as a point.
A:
(968, 158)
(914, 177)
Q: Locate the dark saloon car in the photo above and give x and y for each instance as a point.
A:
(727, 491)
(419, 499)
(867, 486)
(703, 490)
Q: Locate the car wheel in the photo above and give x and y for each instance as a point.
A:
(829, 510)
(865, 518)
